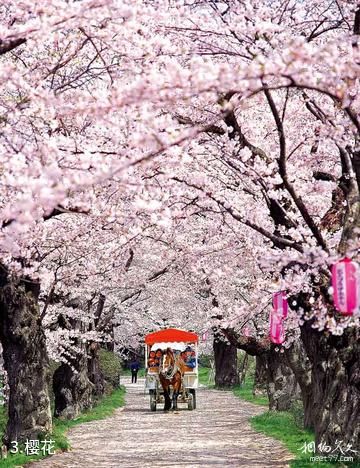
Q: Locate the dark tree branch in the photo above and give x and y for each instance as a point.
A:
(277, 211)
(99, 309)
(283, 173)
(10, 44)
(325, 176)
(357, 22)
(61, 210)
(211, 128)
(129, 260)
(55, 212)
(278, 241)
(131, 295)
(253, 346)
(232, 122)
(315, 33)
(48, 301)
(159, 273)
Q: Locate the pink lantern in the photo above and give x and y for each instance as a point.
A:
(205, 336)
(280, 303)
(346, 285)
(277, 332)
(277, 316)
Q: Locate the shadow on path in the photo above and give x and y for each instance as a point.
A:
(217, 433)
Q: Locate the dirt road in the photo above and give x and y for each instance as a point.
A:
(217, 433)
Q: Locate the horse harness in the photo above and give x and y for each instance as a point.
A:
(172, 370)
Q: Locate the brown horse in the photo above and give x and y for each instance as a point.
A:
(171, 372)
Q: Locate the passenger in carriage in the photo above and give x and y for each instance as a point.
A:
(193, 359)
(190, 358)
(152, 360)
(158, 356)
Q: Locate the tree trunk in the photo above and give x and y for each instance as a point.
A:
(282, 385)
(335, 385)
(94, 371)
(301, 366)
(72, 389)
(225, 355)
(260, 379)
(243, 368)
(25, 360)
(110, 345)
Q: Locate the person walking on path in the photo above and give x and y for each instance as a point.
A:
(134, 366)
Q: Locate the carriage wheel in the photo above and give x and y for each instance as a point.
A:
(152, 400)
(192, 391)
(190, 402)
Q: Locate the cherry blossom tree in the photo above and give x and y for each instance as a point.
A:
(185, 160)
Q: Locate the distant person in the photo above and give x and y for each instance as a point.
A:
(134, 366)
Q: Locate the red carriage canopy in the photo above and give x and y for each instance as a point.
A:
(171, 335)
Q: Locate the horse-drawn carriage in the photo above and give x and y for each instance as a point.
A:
(171, 361)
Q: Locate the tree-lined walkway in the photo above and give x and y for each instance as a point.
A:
(217, 433)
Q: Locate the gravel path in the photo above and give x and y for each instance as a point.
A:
(217, 433)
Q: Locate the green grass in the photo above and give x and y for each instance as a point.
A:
(102, 410)
(204, 375)
(245, 393)
(110, 365)
(3, 419)
(282, 426)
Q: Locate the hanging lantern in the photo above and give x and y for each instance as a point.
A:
(280, 303)
(277, 332)
(204, 336)
(277, 316)
(346, 286)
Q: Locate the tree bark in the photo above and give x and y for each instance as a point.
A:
(281, 383)
(282, 386)
(71, 385)
(225, 355)
(110, 345)
(9, 45)
(335, 385)
(72, 389)
(25, 360)
(260, 378)
(243, 368)
(95, 373)
(253, 346)
(301, 366)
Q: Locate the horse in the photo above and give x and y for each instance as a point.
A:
(171, 372)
